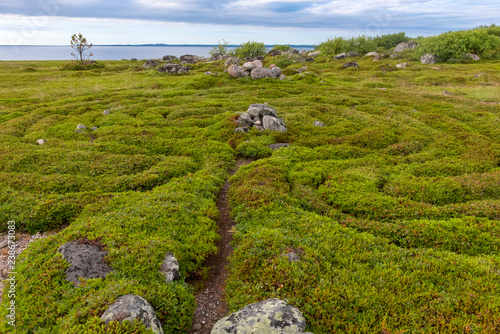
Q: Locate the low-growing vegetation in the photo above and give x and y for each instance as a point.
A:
(393, 207)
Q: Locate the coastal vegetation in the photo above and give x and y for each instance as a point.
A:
(393, 207)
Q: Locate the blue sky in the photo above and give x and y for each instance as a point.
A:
(52, 22)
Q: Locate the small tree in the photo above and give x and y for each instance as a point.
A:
(80, 45)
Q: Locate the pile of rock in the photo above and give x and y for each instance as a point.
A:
(262, 117)
(169, 58)
(255, 70)
(173, 68)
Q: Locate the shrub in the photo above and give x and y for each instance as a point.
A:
(452, 46)
(250, 49)
(285, 60)
(221, 48)
(253, 150)
(389, 41)
(361, 44)
(332, 46)
(281, 47)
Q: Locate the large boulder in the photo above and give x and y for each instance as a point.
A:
(245, 120)
(87, 261)
(233, 60)
(262, 73)
(173, 68)
(257, 111)
(235, 71)
(130, 308)
(353, 54)
(274, 53)
(351, 64)
(249, 66)
(272, 316)
(428, 59)
(405, 46)
(314, 54)
(169, 58)
(340, 56)
(190, 59)
(372, 54)
(273, 124)
(150, 63)
(170, 268)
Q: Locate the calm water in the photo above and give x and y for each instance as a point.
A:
(33, 52)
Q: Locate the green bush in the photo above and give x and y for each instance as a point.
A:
(285, 60)
(221, 48)
(253, 150)
(332, 46)
(389, 41)
(452, 46)
(361, 44)
(250, 49)
(281, 47)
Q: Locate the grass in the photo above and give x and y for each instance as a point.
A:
(393, 206)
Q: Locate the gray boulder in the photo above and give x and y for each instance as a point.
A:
(235, 71)
(262, 73)
(372, 54)
(130, 308)
(428, 59)
(273, 124)
(405, 46)
(249, 66)
(318, 123)
(257, 62)
(274, 53)
(173, 69)
(219, 56)
(402, 65)
(241, 130)
(190, 59)
(353, 54)
(277, 71)
(277, 146)
(394, 55)
(282, 77)
(351, 64)
(81, 127)
(257, 111)
(169, 58)
(340, 56)
(150, 63)
(245, 120)
(233, 60)
(272, 316)
(314, 54)
(170, 268)
(87, 261)
(471, 56)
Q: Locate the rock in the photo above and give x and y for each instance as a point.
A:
(318, 123)
(353, 54)
(471, 56)
(257, 63)
(282, 77)
(170, 268)
(241, 130)
(308, 59)
(4, 244)
(402, 65)
(478, 75)
(81, 128)
(448, 93)
(377, 59)
(303, 53)
(405, 46)
(233, 60)
(276, 71)
(173, 69)
(261, 73)
(169, 58)
(257, 111)
(150, 63)
(40, 141)
(188, 59)
(351, 64)
(428, 59)
(273, 316)
(105, 112)
(372, 54)
(274, 53)
(314, 54)
(196, 327)
(249, 66)
(293, 257)
(219, 56)
(272, 66)
(133, 59)
(257, 123)
(87, 261)
(394, 55)
(235, 71)
(130, 308)
(208, 73)
(94, 128)
(273, 124)
(340, 56)
(291, 51)
(246, 120)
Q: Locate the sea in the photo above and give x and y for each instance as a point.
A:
(111, 52)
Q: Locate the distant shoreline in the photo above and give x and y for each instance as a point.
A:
(166, 45)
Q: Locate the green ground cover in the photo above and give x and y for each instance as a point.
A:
(393, 206)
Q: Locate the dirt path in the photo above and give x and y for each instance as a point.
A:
(210, 303)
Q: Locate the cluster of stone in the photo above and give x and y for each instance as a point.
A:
(262, 117)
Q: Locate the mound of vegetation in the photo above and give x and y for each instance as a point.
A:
(391, 210)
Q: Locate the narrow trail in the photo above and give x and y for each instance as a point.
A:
(210, 303)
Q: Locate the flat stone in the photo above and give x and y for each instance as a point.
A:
(372, 54)
(277, 146)
(351, 64)
(241, 130)
(340, 56)
(4, 244)
(318, 123)
(130, 308)
(87, 261)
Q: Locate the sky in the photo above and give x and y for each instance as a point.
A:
(52, 22)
